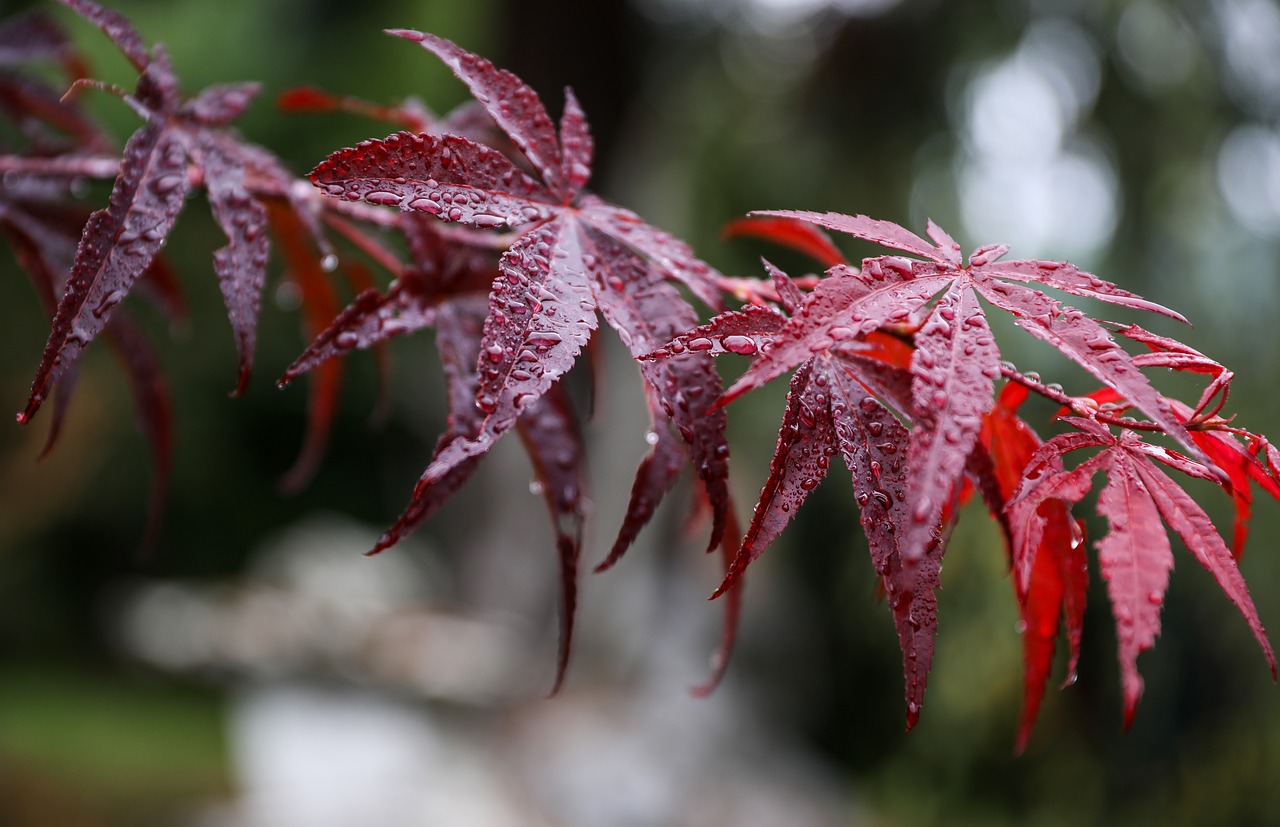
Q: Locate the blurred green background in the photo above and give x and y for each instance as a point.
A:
(1136, 139)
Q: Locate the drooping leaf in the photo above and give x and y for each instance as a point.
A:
(118, 244)
(573, 236)
(806, 442)
(549, 430)
(1134, 556)
(873, 442)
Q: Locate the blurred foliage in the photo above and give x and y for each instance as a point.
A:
(705, 112)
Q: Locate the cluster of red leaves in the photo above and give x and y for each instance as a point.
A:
(904, 340)
(512, 261)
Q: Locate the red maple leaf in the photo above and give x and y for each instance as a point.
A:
(572, 256)
(1134, 556)
(956, 360)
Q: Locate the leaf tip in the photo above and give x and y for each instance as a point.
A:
(913, 715)
(407, 34)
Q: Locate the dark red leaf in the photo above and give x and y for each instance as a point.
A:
(220, 105)
(241, 265)
(655, 476)
(873, 443)
(955, 363)
(1067, 278)
(514, 106)
(575, 138)
(458, 335)
(668, 254)
(745, 332)
(446, 176)
(373, 317)
(549, 430)
(1135, 560)
(839, 309)
(789, 232)
(884, 233)
(1089, 345)
(732, 602)
(647, 311)
(806, 443)
(542, 313)
(118, 244)
(116, 27)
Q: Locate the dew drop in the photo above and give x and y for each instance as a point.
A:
(743, 345)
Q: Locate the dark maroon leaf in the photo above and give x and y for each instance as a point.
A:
(1089, 345)
(1068, 279)
(645, 311)
(542, 313)
(514, 106)
(841, 308)
(666, 253)
(955, 363)
(806, 443)
(1135, 560)
(1135, 556)
(449, 177)
(116, 27)
(549, 430)
(241, 265)
(1191, 523)
(658, 471)
(744, 332)
(578, 147)
(873, 444)
(372, 318)
(220, 105)
(884, 233)
(118, 244)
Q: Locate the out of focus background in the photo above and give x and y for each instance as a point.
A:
(253, 670)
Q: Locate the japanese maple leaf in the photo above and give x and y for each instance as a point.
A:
(956, 360)
(1216, 437)
(1134, 556)
(572, 256)
(120, 241)
(43, 235)
(1050, 578)
(829, 411)
(446, 288)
